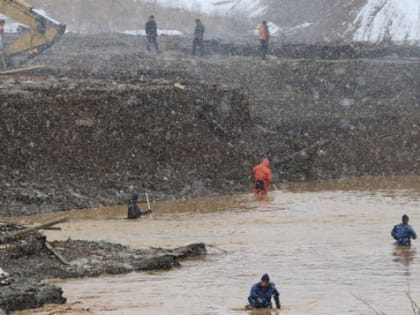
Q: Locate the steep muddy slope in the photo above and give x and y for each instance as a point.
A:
(104, 119)
(74, 144)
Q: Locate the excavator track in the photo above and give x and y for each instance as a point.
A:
(21, 69)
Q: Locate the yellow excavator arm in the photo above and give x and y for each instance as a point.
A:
(44, 31)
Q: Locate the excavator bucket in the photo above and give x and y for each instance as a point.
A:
(43, 32)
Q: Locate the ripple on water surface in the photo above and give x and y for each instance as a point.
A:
(324, 245)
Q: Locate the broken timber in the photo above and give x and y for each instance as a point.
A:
(56, 254)
(13, 236)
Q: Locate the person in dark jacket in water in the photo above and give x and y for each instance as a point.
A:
(151, 33)
(262, 292)
(134, 212)
(403, 233)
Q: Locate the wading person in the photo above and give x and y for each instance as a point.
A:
(198, 42)
(262, 293)
(264, 37)
(2, 59)
(134, 212)
(151, 34)
(403, 233)
(262, 176)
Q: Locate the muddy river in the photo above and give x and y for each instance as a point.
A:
(327, 246)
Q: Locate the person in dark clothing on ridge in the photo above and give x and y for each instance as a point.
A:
(134, 212)
(403, 233)
(2, 59)
(151, 33)
(261, 294)
(264, 37)
(2, 23)
(198, 37)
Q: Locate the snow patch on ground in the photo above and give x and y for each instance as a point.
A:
(252, 8)
(160, 32)
(273, 28)
(397, 20)
(277, 30)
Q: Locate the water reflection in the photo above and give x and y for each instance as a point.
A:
(251, 311)
(404, 255)
(263, 203)
(264, 312)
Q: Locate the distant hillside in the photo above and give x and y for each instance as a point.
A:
(307, 21)
(93, 16)
(247, 8)
(345, 20)
(396, 20)
(325, 20)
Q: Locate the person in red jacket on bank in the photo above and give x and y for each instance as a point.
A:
(2, 60)
(264, 37)
(262, 176)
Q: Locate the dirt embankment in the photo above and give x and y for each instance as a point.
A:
(368, 108)
(106, 119)
(83, 143)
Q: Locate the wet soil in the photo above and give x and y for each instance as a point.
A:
(104, 119)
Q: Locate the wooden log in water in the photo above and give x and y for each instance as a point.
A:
(56, 254)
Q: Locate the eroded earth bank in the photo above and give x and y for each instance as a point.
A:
(103, 119)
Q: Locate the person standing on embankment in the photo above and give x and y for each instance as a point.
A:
(2, 61)
(198, 42)
(264, 37)
(151, 34)
(262, 176)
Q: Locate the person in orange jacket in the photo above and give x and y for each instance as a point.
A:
(263, 176)
(264, 37)
(2, 59)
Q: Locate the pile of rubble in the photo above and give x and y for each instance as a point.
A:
(30, 258)
(5, 278)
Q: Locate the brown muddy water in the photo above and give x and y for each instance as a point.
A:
(323, 244)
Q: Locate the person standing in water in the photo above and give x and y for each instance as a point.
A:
(403, 233)
(262, 176)
(134, 212)
(262, 293)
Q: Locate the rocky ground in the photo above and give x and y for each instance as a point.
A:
(103, 119)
